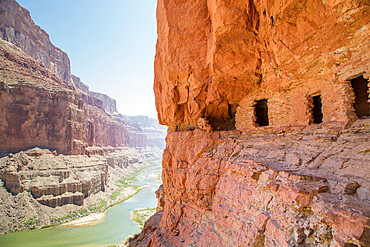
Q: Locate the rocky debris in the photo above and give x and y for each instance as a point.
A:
(203, 124)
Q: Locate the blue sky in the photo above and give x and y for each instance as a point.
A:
(111, 45)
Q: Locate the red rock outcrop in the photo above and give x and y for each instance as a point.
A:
(212, 54)
(297, 189)
(266, 145)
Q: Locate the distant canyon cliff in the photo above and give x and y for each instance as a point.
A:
(267, 104)
(42, 104)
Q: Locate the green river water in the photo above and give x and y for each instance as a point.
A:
(115, 228)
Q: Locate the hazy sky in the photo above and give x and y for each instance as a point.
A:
(111, 45)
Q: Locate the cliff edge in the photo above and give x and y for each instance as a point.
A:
(267, 104)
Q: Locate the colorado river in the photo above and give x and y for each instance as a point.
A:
(115, 228)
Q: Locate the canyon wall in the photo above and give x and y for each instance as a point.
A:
(41, 103)
(39, 109)
(109, 104)
(155, 132)
(268, 127)
(17, 27)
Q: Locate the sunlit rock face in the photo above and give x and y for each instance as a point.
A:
(52, 178)
(40, 109)
(266, 104)
(17, 27)
(154, 132)
(109, 104)
(214, 57)
(41, 103)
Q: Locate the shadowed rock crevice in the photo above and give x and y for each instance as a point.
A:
(362, 91)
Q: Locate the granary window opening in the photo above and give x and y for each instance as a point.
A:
(361, 104)
(261, 112)
(317, 109)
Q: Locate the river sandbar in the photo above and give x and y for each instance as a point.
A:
(91, 219)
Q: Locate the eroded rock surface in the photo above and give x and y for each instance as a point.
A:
(303, 188)
(214, 58)
(268, 129)
(56, 180)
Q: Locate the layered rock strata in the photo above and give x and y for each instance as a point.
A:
(41, 109)
(154, 132)
(68, 181)
(46, 187)
(55, 180)
(17, 27)
(109, 104)
(267, 108)
(37, 89)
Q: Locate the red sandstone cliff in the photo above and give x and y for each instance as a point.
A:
(17, 27)
(213, 54)
(264, 101)
(40, 102)
(40, 109)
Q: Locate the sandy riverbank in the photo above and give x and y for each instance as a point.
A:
(91, 219)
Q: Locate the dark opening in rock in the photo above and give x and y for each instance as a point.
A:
(317, 109)
(219, 124)
(361, 104)
(261, 112)
(226, 121)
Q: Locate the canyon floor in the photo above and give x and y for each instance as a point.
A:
(51, 189)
